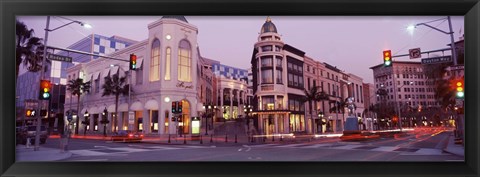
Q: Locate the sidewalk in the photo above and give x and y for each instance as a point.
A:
(43, 154)
(453, 148)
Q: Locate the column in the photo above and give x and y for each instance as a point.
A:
(221, 101)
(92, 124)
(146, 121)
(231, 103)
(275, 121)
(161, 121)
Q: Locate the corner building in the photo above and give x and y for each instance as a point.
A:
(167, 70)
(278, 83)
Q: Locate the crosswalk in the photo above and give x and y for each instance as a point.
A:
(357, 147)
(119, 151)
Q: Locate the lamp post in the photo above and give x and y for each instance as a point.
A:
(86, 116)
(398, 104)
(42, 71)
(207, 109)
(247, 109)
(320, 116)
(454, 53)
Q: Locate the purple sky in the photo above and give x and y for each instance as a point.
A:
(353, 44)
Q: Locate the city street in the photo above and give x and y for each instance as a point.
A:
(420, 145)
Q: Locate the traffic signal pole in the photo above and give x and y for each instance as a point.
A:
(42, 75)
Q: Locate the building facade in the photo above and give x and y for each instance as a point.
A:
(168, 70)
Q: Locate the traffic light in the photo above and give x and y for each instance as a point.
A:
(133, 62)
(459, 88)
(30, 113)
(174, 106)
(44, 93)
(179, 107)
(387, 58)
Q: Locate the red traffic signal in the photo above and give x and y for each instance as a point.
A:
(174, 106)
(30, 113)
(133, 61)
(44, 92)
(387, 58)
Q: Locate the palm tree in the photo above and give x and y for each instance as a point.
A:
(339, 108)
(115, 86)
(78, 87)
(311, 95)
(28, 49)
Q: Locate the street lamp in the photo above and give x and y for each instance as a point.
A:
(320, 116)
(206, 115)
(247, 109)
(86, 116)
(398, 104)
(42, 72)
(454, 53)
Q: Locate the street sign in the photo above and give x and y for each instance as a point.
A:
(415, 53)
(435, 60)
(59, 58)
(454, 68)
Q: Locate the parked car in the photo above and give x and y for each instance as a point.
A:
(127, 136)
(30, 132)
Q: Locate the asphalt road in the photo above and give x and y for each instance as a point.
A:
(420, 145)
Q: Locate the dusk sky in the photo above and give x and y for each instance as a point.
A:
(353, 44)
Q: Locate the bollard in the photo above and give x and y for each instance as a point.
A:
(281, 138)
(264, 138)
(201, 141)
(168, 138)
(211, 138)
(184, 139)
(28, 142)
(253, 139)
(235, 138)
(226, 138)
(273, 138)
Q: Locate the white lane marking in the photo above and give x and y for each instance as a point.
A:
(129, 149)
(384, 148)
(87, 153)
(100, 146)
(351, 146)
(239, 149)
(316, 146)
(90, 160)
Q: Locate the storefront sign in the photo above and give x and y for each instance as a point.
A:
(195, 125)
(182, 85)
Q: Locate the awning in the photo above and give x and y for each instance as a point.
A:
(114, 70)
(137, 106)
(139, 63)
(105, 72)
(151, 105)
(123, 107)
(83, 111)
(111, 108)
(93, 110)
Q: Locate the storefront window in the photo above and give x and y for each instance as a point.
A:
(184, 61)
(154, 123)
(155, 61)
(268, 103)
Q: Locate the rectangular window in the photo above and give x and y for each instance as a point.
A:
(266, 48)
(184, 65)
(267, 61)
(278, 61)
(267, 76)
(279, 76)
(167, 63)
(268, 103)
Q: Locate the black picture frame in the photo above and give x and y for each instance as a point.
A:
(10, 9)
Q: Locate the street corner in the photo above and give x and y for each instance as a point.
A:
(27, 154)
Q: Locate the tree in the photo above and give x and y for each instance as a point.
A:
(339, 107)
(311, 95)
(435, 75)
(116, 86)
(28, 49)
(322, 96)
(78, 87)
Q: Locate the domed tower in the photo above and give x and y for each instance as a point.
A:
(269, 80)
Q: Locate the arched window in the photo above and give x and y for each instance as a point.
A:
(168, 63)
(184, 61)
(155, 61)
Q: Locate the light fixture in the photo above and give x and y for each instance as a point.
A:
(166, 99)
(168, 37)
(86, 25)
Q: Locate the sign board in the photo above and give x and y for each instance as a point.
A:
(435, 60)
(415, 53)
(454, 68)
(59, 58)
(195, 125)
(131, 117)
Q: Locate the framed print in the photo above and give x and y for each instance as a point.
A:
(255, 88)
